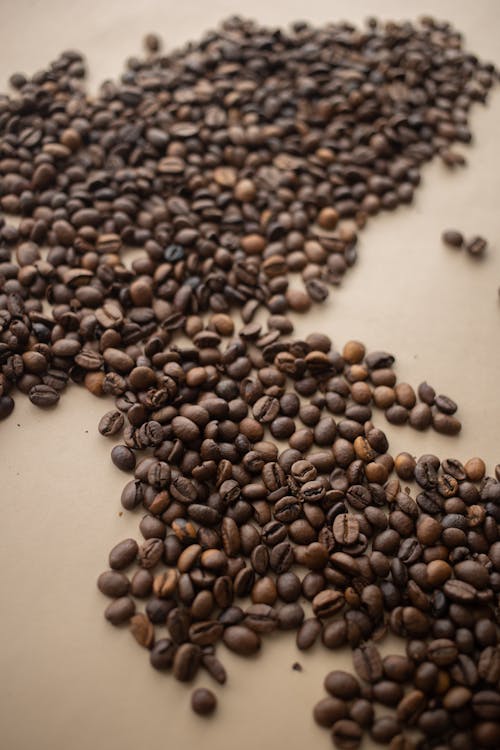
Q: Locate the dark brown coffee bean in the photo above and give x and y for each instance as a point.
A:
(476, 246)
(186, 662)
(368, 662)
(43, 395)
(120, 610)
(308, 633)
(345, 529)
(328, 711)
(162, 654)
(123, 458)
(111, 423)
(214, 667)
(346, 734)
(384, 729)
(327, 603)
(123, 554)
(203, 702)
(341, 685)
(241, 640)
(112, 583)
(453, 238)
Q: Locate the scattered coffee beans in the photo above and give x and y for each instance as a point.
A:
(233, 164)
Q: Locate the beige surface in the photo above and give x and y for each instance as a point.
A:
(69, 681)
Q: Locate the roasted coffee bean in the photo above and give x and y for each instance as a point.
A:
(203, 702)
(476, 246)
(241, 640)
(142, 630)
(328, 711)
(186, 662)
(346, 734)
(43, 395)
(327, 603)
(114, 584)
(453, 238)
(345, 529)
(120, 610)
(214, 667)
(123, 458)
(162, 654)
(123, 554)
(341, 685)
(308, 633)
(111, 423)
(368, 662)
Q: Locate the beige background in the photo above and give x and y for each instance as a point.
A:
(68, 679)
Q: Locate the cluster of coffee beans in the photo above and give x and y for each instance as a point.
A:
(475, 246)
(232, 163)
(322, 524)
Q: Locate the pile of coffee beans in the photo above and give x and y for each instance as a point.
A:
(319, 534)
(475, 246)
(232, 163)
(269, 499)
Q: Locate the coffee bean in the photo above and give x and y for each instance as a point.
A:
(476, 246)
(123, 554)
(368, 663)
(341, 685)
(345, 529)
(162, 654)
(384, 729)
(114, 584)
(327, 603)
(203, 702)
(111, 423)
(186, 662)
(123, 458)
(43, 395)
(120, 610)
(6, 406)
(214, 667)
(453, 238)
(142, 630)
(328, 711)
(346, 734)
(241, 640)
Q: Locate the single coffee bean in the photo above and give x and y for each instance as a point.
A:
(43, 395)
(111, 423)
(114, 584)
(328, 711)
(123, 458)
(241, 640)
(120, 610)
(203, 702)
(142, 629)
(162, 654)
(368, 662)
(186, 662)
(476, 246)
(346, 734)
(453, 238)
(341, 685)
(123, 554)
